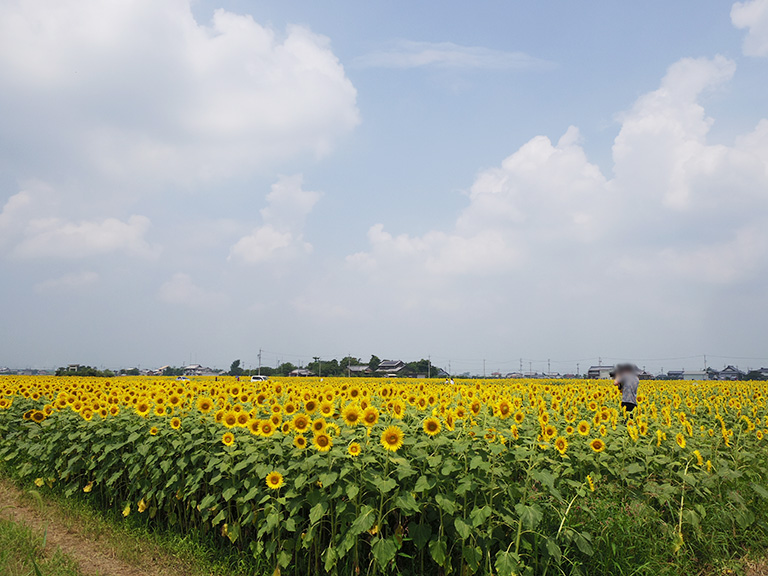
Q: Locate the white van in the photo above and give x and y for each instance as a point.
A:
(259, 378)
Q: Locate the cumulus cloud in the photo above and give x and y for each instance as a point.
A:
(143, 88)
(281, 234)
(752, 16)
(540, 195)
(67, 282)
(675, 204)
(181, 290)
(30, 227)
(410, 54)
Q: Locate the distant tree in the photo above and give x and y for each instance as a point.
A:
(173, 371)
(235, 369)
(755, 375)
(284, 369)
(374, 362)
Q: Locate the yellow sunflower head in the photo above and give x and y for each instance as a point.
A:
(175, 423)
(354, 449)
(322, 442)
(392, 438)
(432, 426)
(228, 439)
(274, 480)
(597, 445)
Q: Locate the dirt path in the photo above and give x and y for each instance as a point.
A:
(95, 557)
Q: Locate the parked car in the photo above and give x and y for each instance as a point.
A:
(259, 378)
(181, 378)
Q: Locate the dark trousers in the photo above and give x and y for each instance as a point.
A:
(629, 407)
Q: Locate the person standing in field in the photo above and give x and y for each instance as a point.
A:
(627, 381)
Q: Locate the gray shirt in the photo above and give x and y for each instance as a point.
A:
(629, 383)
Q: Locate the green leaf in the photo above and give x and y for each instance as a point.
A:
(530, 516)
(352, 491)
(422, 484)
(228, 493)
(582, 543)
(364, 520)
(420, 534)
(473, 557)
(328, 478)
(462, 528)
(384, 551)
(507, 563)
(554, 550)
(438, 551)
(317, 512)
(479, 516)
(762, 492)
(387, 485)
(330, 557)
(445, 503)
(407, 503)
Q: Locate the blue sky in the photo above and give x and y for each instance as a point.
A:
(198, 180)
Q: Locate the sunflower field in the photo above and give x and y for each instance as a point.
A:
(383, 476)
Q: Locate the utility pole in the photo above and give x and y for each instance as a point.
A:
(259, 361)
(521, 366)
(705, 361)
(429, 366)
(530, 368)
(449, 369)
(349, 362)
(319, 368)
(483, 367)
(549, 370)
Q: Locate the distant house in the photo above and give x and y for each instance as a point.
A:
(695, 375)
(390, 367)
(514, 375)
(763, 372)
(359, 370)
(731, 373)
(73, 367)
(193, 370)
(601, 372)
(301, 372)
(675, 374)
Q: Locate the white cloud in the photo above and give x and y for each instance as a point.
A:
(281, 234)
(676, 206)
(752, 15)
(142, 89)
(181, 290)
(67, 282)
(30, 227)
(409, 54)
(540, 195)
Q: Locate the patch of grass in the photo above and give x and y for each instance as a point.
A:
(135, 541)
(21, 550)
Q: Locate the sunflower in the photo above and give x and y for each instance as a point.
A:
(597, 445)
(503, 409)
(300, 441)
(228, 439)
(392, 438)
(322, 442)
(326, 408)
(142, 408)
(37, 416)
(680, 439)
(514, 431)
(519, 417)
(204, 404)
(351, 415)
(354, 449)
(583, 428)
(242, 419)
(318, 425)
(370, 416)
(432, 426)
(175, 423)
(310, 406)
(267, 428)
(153, 431)
(230, 419)
(591, 483)
(561, 444)
(301, 422)
(274, 480)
